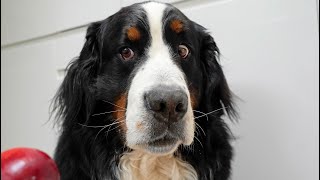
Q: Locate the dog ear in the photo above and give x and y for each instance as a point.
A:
(217, 92)
(73, 101)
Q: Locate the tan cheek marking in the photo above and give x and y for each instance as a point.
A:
(176, 25)
(120, 114)
(133, 34)
(193, 98)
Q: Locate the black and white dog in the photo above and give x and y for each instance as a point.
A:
(144, 101)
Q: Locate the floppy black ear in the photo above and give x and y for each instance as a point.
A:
(72, 101)
(217, 92)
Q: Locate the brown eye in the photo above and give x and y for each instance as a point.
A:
(183, 51)
(126, 53)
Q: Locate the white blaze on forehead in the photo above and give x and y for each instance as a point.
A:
(160, 63)
(155, 13)
(159, 68)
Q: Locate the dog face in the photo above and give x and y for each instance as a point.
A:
(157, 48)
(159, 114)
(154, 67)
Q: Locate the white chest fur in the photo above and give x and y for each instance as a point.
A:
(139, 165)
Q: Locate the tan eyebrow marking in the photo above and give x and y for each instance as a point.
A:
(176, 25)
(133, 34)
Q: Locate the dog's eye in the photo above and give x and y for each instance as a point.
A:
(183, 51)
(126, 53)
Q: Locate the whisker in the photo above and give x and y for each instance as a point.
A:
(210, 112)
(197, 125)
(111, 130)
(202, 113)
(105, 128)
(107, 112)
(99, 126)
(109, 125)
(188, 148)
(198, 141)
(91, 126)
(192, 147)
(114, 104)
(197, 132)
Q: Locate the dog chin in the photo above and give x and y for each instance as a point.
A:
(160, 147)
(161, 150)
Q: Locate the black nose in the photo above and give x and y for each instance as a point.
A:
(169, 104)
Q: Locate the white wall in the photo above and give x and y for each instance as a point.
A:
(25, 20)
(270, 54)
(270, 57)
(29, 80)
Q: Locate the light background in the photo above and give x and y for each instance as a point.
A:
(269, 54)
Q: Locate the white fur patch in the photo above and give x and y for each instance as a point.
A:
(138, 165)
(159, 69)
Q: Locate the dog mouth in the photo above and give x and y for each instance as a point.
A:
(162, 145)
(164, 141)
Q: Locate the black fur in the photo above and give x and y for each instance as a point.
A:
(98, 76)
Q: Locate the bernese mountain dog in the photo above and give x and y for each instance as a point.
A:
(144, 101)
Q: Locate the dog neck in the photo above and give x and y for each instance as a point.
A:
(138, 165)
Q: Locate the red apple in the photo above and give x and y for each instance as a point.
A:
(27, 164)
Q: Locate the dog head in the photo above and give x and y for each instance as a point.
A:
(154, 68)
